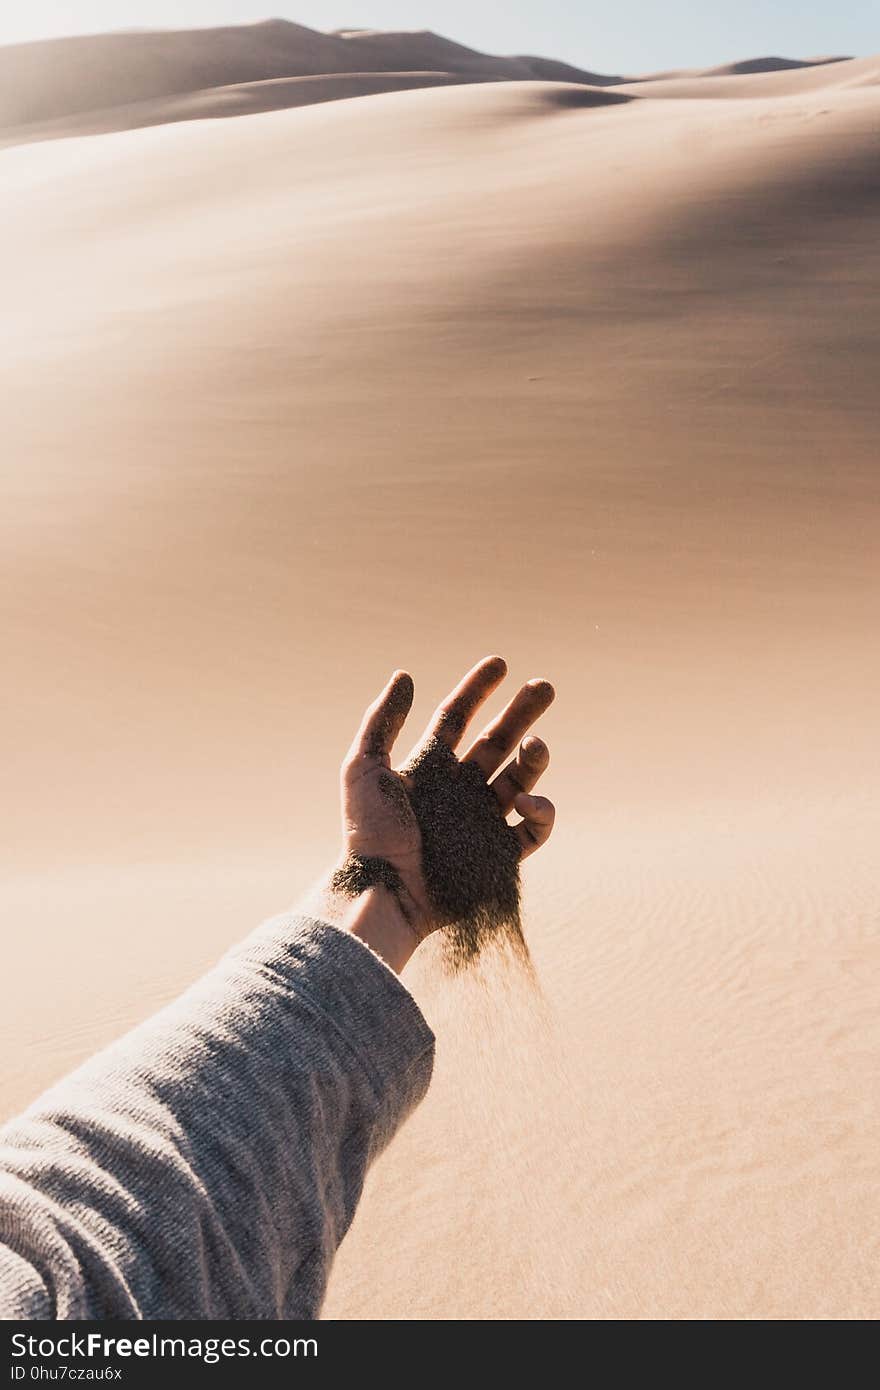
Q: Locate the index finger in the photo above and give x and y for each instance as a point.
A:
(384, 719)
(452, 715)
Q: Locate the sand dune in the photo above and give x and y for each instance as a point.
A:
(298, 398)
(62, 79)
(64, 76)
(241, 99)
(739, 80)
(413, 48)
(750, 66)
(274, 94)
(746, 67)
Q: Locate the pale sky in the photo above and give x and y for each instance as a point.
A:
(628, 36)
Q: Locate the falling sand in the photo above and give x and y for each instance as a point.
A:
(470, 854)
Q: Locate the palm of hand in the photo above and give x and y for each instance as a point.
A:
(378, 820)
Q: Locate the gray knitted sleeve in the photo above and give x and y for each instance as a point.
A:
(208, 1164)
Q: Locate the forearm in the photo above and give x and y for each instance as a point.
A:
(209, 1164)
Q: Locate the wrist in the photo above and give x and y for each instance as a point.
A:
(377, 918)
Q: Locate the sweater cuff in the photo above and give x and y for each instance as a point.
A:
(360, 998)
(25, 1296)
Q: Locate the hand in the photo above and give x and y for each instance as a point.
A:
(379, 823)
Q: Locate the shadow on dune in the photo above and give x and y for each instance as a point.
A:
(585, 96)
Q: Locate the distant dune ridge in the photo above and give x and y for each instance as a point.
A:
(748, 67)
(581, 373)
(64, 78)
(103, 82)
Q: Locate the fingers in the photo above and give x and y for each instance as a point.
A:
(453, 715)
(500, 737)
(538, 815)
(522, 773)
(384, 719)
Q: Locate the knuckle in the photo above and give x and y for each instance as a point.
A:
(495, 741)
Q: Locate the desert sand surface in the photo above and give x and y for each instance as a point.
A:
(210, 103)
(297, 398)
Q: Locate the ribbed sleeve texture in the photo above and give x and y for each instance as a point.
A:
(209, 1163)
